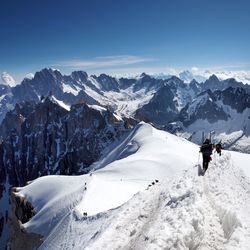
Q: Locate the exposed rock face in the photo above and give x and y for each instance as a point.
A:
(147, 83)
(125, 83)
(237, 98)
(170, 97)
(2, 190)
(108, 83)
(160, 109)
(4, 89)
(204, 107)
(23, 209)
(67, 88)
(1, 224)
(47, 139)
(21, 212)
(70, 89)
(209, 105)
(15, 119)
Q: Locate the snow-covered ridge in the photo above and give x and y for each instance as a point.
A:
(114, 205)
(61, 103)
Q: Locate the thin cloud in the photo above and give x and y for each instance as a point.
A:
(104, 62)
(194, 69)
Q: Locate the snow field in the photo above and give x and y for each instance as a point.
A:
(187, 212)
(118, 207)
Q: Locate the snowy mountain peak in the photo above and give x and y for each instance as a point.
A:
(29, 76)
(194, 82)
(213, 78)
(7, 79)
(48, 73)
(143, 75)
(176, 80)
(186, 76)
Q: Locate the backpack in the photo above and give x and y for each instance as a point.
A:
(206, 149)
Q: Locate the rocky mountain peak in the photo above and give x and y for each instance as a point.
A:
(212, 83)
(81, 76)
(161, 108)
(213, 78)
(186, 76)
(143, 75)
(176, 82)
(203, 107)
(48, 74)
(108, 83)
(194, 85)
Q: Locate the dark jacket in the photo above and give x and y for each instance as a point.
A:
(218, 147)
(206, 149)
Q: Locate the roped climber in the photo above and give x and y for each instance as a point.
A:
(218, 148)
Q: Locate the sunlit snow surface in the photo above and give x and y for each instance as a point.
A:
(62, 104)
(181, 211)
(125, 102)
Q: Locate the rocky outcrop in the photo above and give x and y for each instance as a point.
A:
(21, 212)
(23, 209)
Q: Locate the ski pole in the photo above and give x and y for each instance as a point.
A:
(214, 158)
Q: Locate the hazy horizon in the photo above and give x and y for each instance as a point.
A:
(124, 37)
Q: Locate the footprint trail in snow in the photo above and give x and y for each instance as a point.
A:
(188, 212)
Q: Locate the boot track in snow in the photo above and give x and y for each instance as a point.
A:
(189, 212)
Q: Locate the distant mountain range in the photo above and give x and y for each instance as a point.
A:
(180, 106)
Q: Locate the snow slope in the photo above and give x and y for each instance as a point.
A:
(181, 211)
(61, 103)
(125, 102)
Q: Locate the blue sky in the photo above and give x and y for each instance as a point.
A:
(123, 36)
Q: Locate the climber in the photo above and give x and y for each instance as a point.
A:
(218, 148)
(206, 149)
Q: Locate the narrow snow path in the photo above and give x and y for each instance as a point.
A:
(187, 212)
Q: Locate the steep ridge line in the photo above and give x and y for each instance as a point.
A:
(185, 211)
(144, 225)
